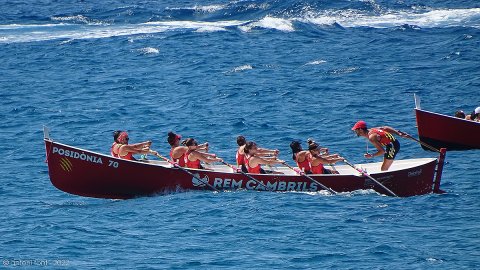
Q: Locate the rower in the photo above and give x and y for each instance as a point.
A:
(123, 150)
(317, 160)
(253, 162)
(177, 151)
(192, 157)
(240, 155)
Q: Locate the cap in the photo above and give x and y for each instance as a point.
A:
(477, 110)
(359, 124)
(123, 136)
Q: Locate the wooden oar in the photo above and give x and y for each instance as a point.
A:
(311, 179)
(235, 169)
(370, 177)
(177, 166)
(422, 143)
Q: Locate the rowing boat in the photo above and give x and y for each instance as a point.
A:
(443, 131)
(91, 174)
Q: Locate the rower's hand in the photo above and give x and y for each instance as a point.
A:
(368, 155)
(403, 134)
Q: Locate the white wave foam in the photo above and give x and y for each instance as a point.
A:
(196, 8)
(194, 24)
(26, 26)
(209, 8)
(210, 29)
(72, 31)
(268, 22)
(78, 19)
(348, 18)
(430, 19)
(149, 50)
(316, 62)
(242, 68)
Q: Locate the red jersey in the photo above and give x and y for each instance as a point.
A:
(315, 169)
(304, 165)
(191, 164)
(385, 137)
(128, 156)
(111, 149)
(240, 159)
(250, 169)
(180, 161)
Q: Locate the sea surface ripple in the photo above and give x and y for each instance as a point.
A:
(274, 71)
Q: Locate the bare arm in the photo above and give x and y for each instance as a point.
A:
(395, 131)
(179, 151)
(134, 149)
(326, 159)
(262, 161)
(201, 147)
(264, 151)
(374, 140)
(204, 158)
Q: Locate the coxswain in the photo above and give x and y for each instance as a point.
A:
(381, 137)
(192, 157)
(124, 150)
(253, 161)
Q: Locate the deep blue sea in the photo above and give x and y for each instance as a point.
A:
(274, 71)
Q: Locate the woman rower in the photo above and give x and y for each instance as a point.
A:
(300, 157)
(317, 160)
(123, 150)
(177, 151)
(253, 161)
(240, 155)
(192, 158)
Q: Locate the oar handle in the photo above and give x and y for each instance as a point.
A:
(179, 167)
(310, 178)
(370, 177)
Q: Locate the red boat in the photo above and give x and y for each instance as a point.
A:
(443, 131)
(86, 173)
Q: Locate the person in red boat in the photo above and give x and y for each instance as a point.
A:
(317, 160)
(311, 161)
(240, 155)
(300, 157)
(253, 161)
(381, 137)
(474, 116)
(193, 158)
(115, 144)
(177, 151)
(460, 114)
(123, 150)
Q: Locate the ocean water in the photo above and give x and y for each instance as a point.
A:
(273, 71)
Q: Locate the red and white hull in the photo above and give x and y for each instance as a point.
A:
(85, 173)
